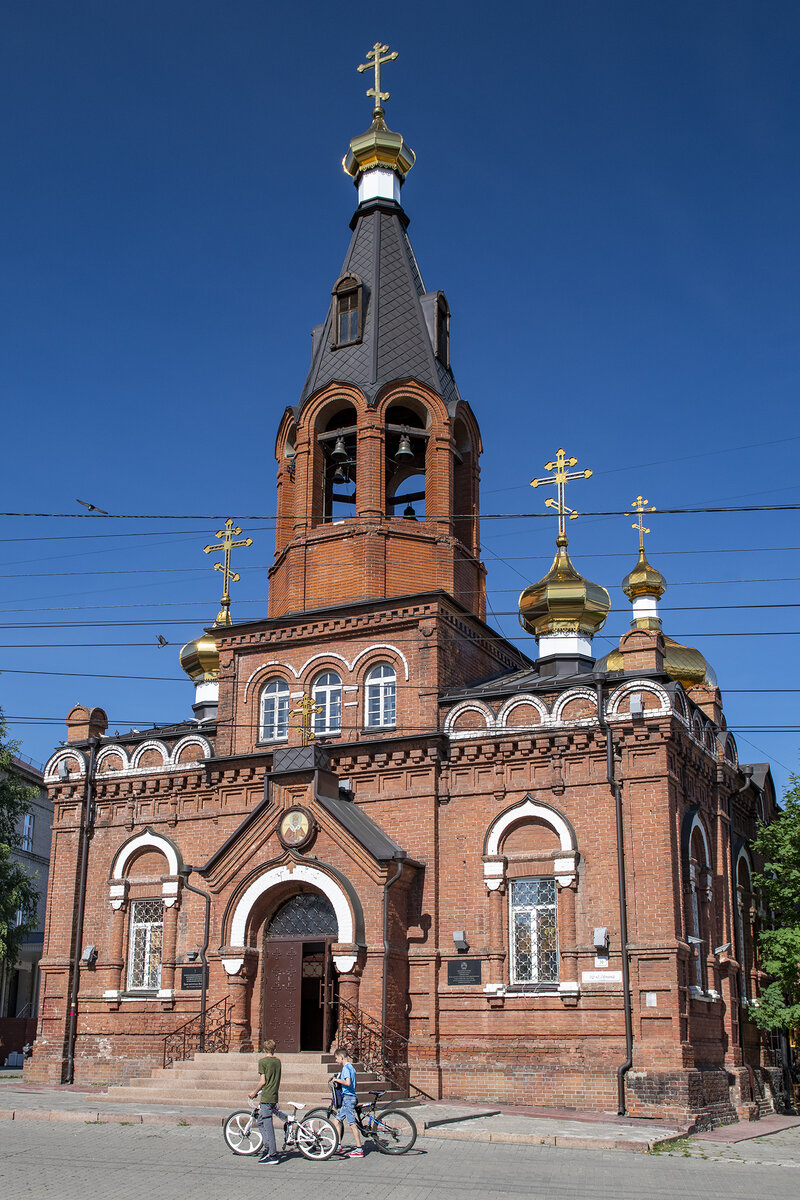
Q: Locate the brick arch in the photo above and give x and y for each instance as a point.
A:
(569, 697)
(619, 700)
(147, 840)
(109, 752)
(515, 702)
(335, 886)
(565, 857)
(65, 755)
(192, 739)
(146, 748)
(466, 707)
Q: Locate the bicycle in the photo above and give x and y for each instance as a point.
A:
(313, 1135)
(392, 1130)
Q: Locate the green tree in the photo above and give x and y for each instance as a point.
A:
(18, 894)
(779, 884)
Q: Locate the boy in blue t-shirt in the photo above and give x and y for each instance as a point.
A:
(347, 1079)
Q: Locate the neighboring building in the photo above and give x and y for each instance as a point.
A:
(19, 985)
(446, 858)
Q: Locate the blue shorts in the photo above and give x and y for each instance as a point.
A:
(347, 1111)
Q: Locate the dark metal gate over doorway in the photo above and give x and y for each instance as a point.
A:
(299, 980)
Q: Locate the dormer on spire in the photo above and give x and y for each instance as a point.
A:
(378, 160)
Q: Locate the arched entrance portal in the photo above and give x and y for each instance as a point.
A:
(298, 979)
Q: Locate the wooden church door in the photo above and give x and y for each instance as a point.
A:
(298, 979)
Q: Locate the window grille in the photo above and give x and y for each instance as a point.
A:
(327, 693)
(275, 711)
(304, 916)
(381, 696)
(146, 933)
(534, 933)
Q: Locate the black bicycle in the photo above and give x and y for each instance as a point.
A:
(392, 1129)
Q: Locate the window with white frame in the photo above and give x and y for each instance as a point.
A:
(274, 725)
(380, 700)
(533, 932)
(326, 693)
(27, 832)
(144, 945)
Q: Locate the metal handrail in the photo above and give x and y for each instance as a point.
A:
(377, 1047)
(185, 1040)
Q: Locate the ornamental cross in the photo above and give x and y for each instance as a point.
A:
(228, 576)
(306, 708)
(560, 477)
(640, 506)
(379, 55)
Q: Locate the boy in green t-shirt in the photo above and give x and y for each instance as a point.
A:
(269, 1068)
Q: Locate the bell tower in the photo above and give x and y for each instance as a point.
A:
(378, 462)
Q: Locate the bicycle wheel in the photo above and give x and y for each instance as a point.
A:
(394, 1131)
(316, 1138)
(242, 1134)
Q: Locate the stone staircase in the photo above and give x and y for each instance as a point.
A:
(221, 1080)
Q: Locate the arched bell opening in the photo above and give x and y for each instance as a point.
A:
(299, 983)
(406, 447)
(465, 491)
(337, 460)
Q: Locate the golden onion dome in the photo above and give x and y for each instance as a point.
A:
(644, 580)
(200, 659)
(563, 601)
(378, 147)
(684, 664)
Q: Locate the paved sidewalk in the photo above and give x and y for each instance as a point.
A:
(20, 1101)
(505, 1124)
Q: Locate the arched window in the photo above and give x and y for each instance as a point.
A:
(380, 700)
(744, 923)
(305, 916)
(326, 692)
(348, 305)
(144, 945)
(274, 711)
(699, 896)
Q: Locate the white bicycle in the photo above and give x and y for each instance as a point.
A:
(315, 1137)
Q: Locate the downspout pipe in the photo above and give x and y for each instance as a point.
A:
(86, 836)
(399, 858)
(613, 783)
(185, 873)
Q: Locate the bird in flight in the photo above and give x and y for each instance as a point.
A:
(92, 507)
(162, 641)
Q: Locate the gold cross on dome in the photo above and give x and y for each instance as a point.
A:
(306, 708)
(228, 576)
(379, 55)
(560, 477)
(640, 506)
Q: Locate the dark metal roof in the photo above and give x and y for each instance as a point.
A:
(396, 342)
(366, 831)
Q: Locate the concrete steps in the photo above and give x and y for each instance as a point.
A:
(218, 1080)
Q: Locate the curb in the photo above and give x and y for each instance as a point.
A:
(104, 1118)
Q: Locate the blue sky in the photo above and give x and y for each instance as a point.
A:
(608, 194)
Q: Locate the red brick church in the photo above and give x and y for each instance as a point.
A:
(529, 880)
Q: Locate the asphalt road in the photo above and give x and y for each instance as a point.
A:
(40, 1160)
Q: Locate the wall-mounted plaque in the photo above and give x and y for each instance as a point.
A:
(192, 978)
(463, 971)
(296, 828)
